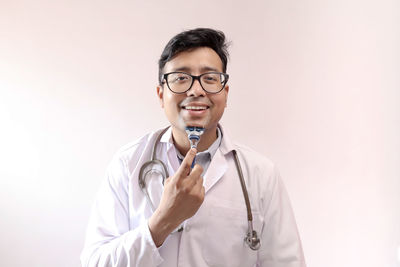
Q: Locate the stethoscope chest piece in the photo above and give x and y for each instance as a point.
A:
(252, 240)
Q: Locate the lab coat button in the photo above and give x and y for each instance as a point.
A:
(187, 228)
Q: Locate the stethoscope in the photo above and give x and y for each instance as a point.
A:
(150, 167)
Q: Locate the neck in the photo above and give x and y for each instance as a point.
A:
(182, 143)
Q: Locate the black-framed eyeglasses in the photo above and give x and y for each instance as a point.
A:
(181, 82)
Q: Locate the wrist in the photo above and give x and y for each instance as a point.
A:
(159, 228)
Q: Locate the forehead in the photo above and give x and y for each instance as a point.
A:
(196, 60)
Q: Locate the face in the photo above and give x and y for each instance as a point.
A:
(195, 107)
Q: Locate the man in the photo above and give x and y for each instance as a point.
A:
(188, 220)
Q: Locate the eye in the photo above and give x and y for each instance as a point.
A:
(178, 78)
(181, 78)
(211, 78)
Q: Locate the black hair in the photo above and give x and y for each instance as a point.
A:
(190, 39)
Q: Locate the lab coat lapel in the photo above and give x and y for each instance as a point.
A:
(216, 170)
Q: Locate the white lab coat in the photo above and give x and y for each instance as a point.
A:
(118, 234)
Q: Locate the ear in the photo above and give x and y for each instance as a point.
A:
(226, 89)
(160, 94)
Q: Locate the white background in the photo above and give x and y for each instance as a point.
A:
(315, 86)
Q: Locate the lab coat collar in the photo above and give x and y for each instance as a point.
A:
(219, 163)
(173, 162)
(167, 136)
(226, 144)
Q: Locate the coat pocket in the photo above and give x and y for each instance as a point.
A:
(225, 234)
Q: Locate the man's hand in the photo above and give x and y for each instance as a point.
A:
(182, 196)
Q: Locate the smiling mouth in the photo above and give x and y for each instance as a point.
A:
(195, 107)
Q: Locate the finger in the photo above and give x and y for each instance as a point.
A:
(186, 164)
(199, 182)
(203, 191)
(193, 181)
(167, 180)
(196, 171)
(199, 188)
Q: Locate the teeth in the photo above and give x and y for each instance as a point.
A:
(196, 107)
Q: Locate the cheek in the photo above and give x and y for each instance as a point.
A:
(171, 102)
(220, 102)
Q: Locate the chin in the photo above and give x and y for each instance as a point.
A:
(196, 123)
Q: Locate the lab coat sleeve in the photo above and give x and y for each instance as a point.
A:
(280, 241)
(109, 239)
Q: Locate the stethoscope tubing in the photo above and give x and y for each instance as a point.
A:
(251, 238)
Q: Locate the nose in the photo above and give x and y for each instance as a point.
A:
(196, 89)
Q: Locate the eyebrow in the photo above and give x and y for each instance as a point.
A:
(202, 69)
